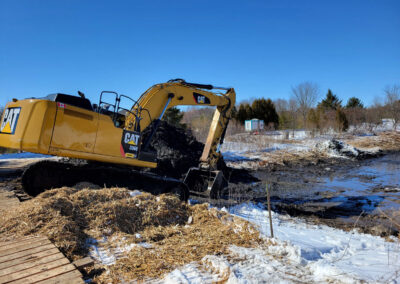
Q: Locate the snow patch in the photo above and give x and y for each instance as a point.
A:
(330, 252)
(135, 193)
(102, 252)
(340, 149)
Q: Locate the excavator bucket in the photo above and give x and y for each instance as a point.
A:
(205, 183)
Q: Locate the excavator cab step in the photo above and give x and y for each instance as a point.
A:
(205, 183)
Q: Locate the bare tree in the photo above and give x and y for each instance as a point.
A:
(292, 108)
(306, 95)
(281, 105)
(392, 101)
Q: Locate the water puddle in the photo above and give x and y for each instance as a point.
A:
(375, 183)
(367, 192)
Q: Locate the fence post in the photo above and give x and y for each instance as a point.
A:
(269, 211)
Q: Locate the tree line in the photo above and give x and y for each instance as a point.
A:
(303, 110)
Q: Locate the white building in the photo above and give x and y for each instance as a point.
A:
(254, 124)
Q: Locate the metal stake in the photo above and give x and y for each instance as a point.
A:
(269, 211)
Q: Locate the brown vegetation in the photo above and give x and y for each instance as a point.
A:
(387, 141)
(177, 232)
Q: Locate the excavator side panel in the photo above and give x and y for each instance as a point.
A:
(74, 129)
(40, 126)
(108, 137)
(83, 134)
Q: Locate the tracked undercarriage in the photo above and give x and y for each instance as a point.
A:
(47, 174)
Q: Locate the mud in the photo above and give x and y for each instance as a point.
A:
(343, 193)
(177, 150)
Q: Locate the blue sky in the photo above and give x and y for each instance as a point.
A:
(262, 48)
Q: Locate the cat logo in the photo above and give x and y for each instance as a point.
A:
(130, 144)
(201, 99)
(132, 139)
(9, 121)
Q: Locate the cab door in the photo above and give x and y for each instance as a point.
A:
(75, 128)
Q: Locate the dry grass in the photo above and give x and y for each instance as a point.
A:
(69, 216)
(388, 141)
(210, 233)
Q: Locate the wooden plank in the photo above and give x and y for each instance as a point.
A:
(45, 272)
(23, 242)
(25, 253)
(28, 257)
(83, 262)
(72, 277)
(31, 263)
(33, 259)
(49, 269)
(14, 239)
(25, 246)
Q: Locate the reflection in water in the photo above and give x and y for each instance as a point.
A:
(380, 177)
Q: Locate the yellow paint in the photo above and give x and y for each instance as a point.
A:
(73, 132)
(7, 128)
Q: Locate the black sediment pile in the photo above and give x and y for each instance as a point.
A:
(177, 150)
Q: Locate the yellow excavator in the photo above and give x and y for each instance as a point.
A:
(111, 133)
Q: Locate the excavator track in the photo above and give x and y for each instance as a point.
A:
(47, 174)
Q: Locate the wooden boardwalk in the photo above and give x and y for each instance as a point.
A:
(35, 260)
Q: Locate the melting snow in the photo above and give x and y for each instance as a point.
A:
(300, 252)
(103, 253)
(135, 193)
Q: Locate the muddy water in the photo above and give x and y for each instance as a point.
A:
(342, 193)
(376, 183)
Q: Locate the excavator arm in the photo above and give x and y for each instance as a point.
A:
(157, 99)
(206, 179)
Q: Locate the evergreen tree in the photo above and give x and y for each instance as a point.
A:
(354, 102)
(331, 102)
(174, 117)
(242, 114)
(265, 110)
(314, 118)
(249, 112)
(341, 120)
